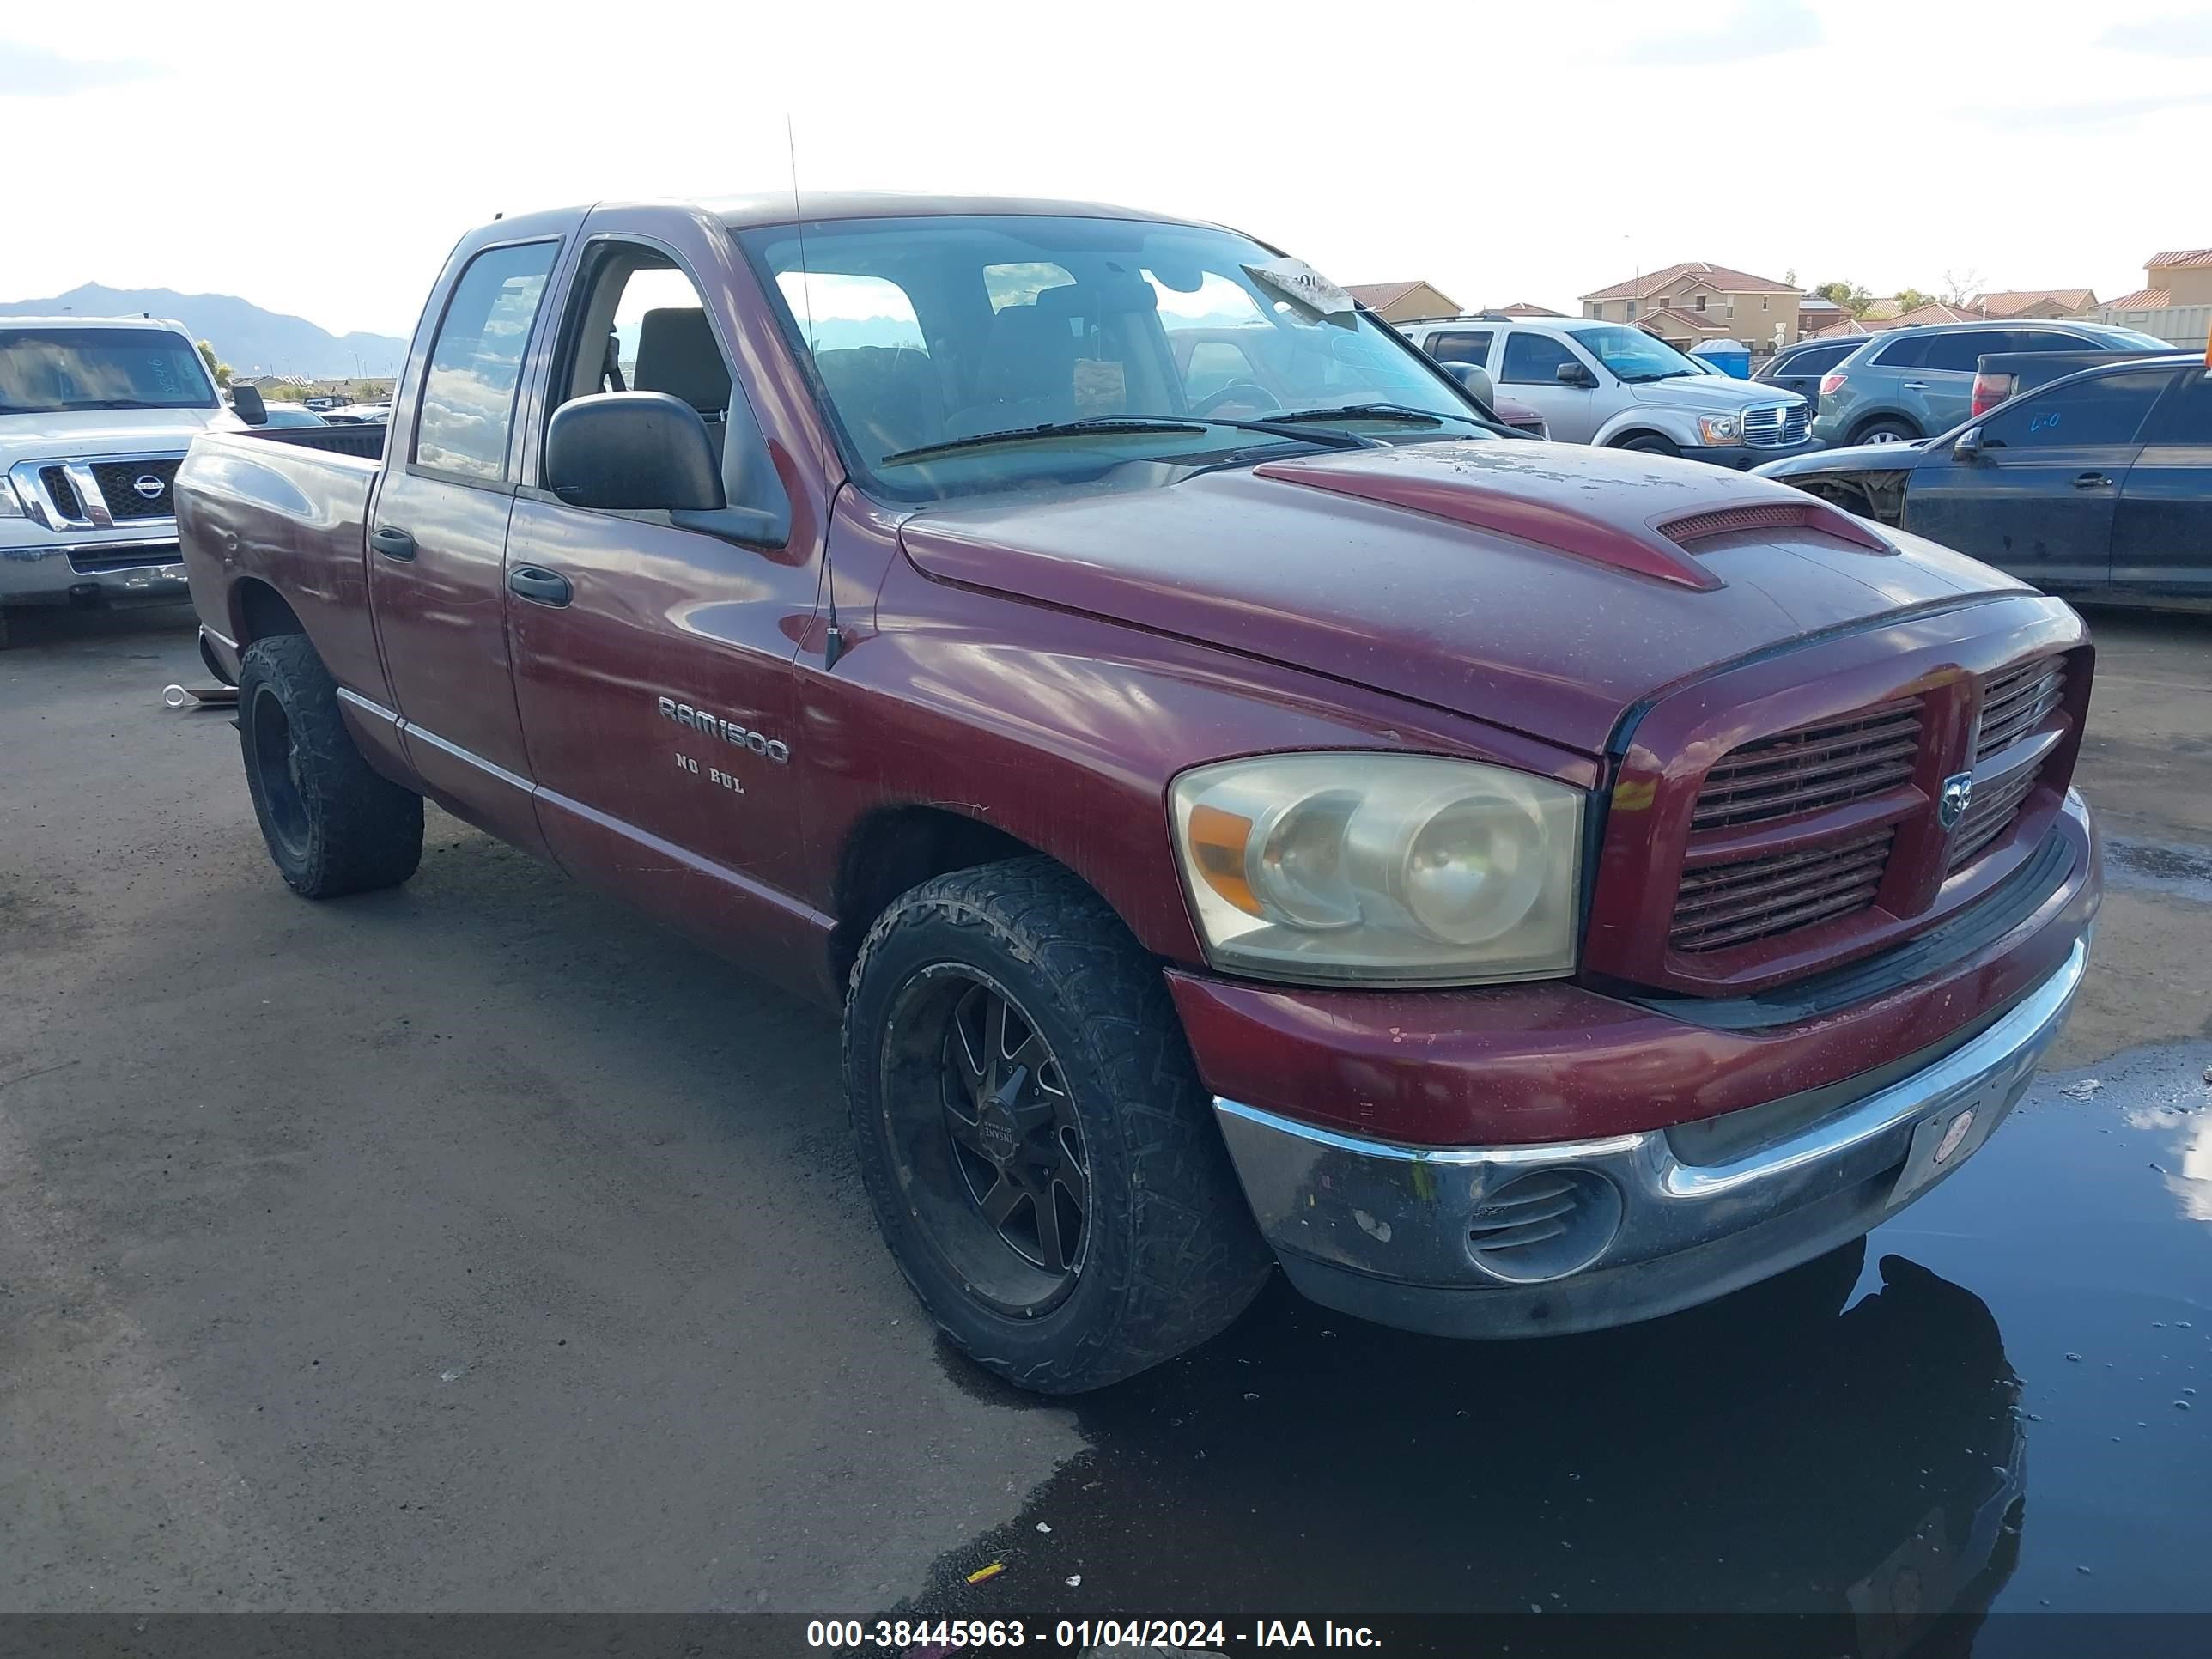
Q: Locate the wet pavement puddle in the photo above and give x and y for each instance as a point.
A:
(2004, 1400)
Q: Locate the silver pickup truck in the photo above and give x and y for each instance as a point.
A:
(96, 415)
(1603, 383)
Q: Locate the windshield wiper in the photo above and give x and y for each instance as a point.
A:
(1372, 412)
(1103, 423)
(1123, 423)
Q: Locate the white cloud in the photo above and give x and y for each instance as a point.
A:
(2189, 35)
(1759, 28)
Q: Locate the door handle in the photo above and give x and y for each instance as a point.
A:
(2092, 481)
(539, 586)
(392, 542)
(1913, 386)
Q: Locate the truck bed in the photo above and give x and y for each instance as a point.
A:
(284, 511)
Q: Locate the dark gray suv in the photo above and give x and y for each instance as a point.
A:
(1906, 383)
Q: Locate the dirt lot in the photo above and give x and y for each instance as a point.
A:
(478, 1245)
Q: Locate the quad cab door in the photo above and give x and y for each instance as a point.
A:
(1528, 370)
(653, 662)
(437, 538)
(2037, 495)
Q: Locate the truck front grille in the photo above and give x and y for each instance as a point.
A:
(61, 492)
(1725, 904)
(1776, 426)
(1817, 766)
(1990, 814)
(120, 484)
(2017, 703)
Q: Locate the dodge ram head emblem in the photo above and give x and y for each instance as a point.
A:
(148, 486)
(1958, 794)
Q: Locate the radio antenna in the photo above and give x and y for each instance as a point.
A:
(833, 643)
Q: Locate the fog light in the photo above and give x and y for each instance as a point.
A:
(1545, 1225)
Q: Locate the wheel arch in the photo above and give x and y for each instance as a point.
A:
(1644, 423)
(894, 849)
(1866, 418)
(258, 612)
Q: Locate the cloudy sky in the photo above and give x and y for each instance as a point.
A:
(321, 161)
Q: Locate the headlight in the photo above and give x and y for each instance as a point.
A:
(9, 506)
(1719, 429)
(1391, 867)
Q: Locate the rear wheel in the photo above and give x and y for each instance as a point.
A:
(1039, 1151)
(333, 824)
(1887, 431)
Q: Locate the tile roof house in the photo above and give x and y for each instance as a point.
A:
(1401, 302)
(2029, 303)
(1716, 301)
(2185, 275)
(2174, 304)
(1522, 308)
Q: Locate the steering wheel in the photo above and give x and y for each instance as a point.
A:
(1236, 391)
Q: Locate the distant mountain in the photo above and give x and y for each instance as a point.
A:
(250, 340)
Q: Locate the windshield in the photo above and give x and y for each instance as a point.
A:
(925, 331)
(1633, 355)
(51, 371)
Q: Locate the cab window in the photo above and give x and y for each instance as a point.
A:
(1533, 359)
(476, 362)
(1461, 345)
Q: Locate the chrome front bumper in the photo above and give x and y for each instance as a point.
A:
(147, 567)
(1390, 1232)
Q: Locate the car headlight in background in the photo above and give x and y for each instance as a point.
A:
(1364, 867)
(1719, 429)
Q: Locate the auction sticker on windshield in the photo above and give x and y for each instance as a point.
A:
(1306, 287)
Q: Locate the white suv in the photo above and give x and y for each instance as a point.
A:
(1605, 383)
(94, 415)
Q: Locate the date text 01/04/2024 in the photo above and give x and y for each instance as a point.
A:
(903, 1635)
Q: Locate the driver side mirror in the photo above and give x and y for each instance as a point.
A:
(1474, 380)
(644, 452)
(1575, 374)
(1968, 445)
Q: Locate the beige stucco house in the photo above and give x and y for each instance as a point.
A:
(1697, 300)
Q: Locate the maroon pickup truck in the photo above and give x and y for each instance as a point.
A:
(1516, 888)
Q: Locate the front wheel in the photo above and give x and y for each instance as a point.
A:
(1650, 443)
(1039, 1151)
(333, 824)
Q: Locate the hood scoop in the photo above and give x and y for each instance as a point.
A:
(1562, 504)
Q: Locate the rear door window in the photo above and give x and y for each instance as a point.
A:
(2107, 409)
(1533, 359)
(2185, 416)
(1462, 345)
(1910, 352)
(475, 363)
(1960, 354)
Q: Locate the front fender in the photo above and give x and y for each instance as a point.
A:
(1669, 423)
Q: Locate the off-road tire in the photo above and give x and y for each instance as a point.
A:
(354, 830)
(1172, 1256)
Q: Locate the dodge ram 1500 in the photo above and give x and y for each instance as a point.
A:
(1516, 888)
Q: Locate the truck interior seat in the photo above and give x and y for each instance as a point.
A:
(676, 355)
(890, 397)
